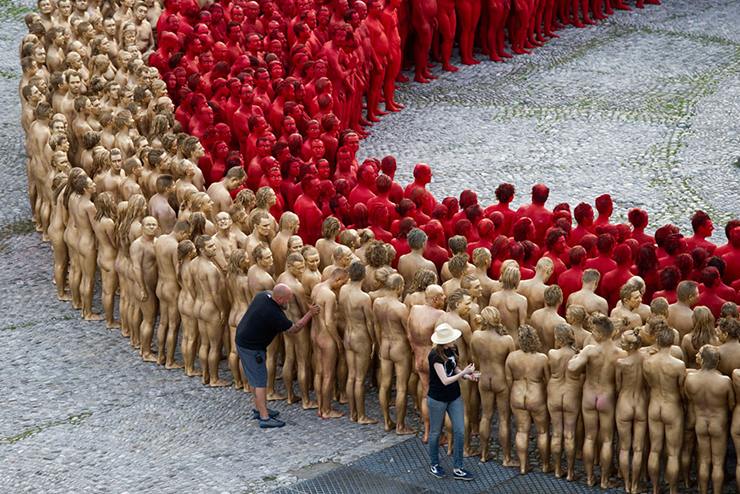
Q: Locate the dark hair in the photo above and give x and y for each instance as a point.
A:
(473, 212)
(564, 223)
(622, 254)
(505, 192)
(719, 263)
(404, 226)
(521, 228)
(356, 271)
(699, 256)
(404, 206)
(662, 233)
(698, 220)
(552, 237)
(583, 211)
(388, 165)
(605, 243)
(638, 217)
(709, 276)
(440, 351)
(576, 255)
(669, 278)
(463, 227)
(603, 323)
(685, 264)
(604, 203)
(383, 183)
(672, 244)
(730, 226)
(468, 198)
(457, 244)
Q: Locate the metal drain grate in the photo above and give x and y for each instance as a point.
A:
(351, 480)
(538, 482)
(408, 462)
(403, 468)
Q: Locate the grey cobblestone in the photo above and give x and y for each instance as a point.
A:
(643, 106)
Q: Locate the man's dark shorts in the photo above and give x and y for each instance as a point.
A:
(255, 368)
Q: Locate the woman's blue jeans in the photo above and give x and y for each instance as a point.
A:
(456, 412)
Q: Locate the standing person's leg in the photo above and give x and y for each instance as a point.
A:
(456, 412)
(255, 369)
(260, 401)
(436, 418)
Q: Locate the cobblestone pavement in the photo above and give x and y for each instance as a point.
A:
(644, 106)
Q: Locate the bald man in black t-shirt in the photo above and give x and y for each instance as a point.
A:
(264, 320)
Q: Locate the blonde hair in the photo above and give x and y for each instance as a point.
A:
(235, 262)
(576, 314)
(491, 319)
(510, 278)
(529, 341)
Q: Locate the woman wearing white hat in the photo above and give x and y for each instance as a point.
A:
(444, 396)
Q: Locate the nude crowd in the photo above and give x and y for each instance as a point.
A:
(123, 192)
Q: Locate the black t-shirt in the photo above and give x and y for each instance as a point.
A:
(262, 322)
(437, 390)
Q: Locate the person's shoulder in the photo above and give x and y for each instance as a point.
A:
(677, 364)
(590, 349)
(723, 380)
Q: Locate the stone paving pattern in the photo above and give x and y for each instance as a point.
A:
(644, 105)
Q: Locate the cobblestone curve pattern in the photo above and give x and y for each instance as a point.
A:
(657, 124)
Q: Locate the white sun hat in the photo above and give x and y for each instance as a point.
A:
(444, 334)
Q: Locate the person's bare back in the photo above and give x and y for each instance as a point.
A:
(489, 349)
(586, 296)
(534, 288)
(712, 396)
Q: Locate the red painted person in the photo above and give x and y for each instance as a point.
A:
(308, 211)
(541, 216)
(703, 227)
(422, 177)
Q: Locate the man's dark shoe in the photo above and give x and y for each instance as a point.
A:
(270, 412)
(271, 423)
